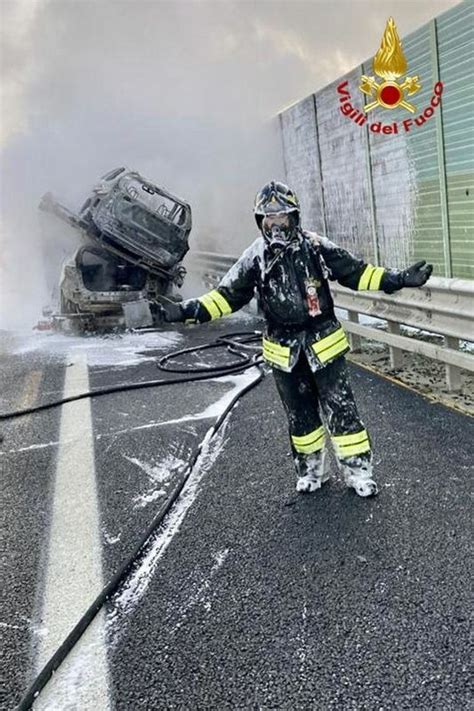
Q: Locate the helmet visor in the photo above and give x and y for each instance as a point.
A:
(276, 219)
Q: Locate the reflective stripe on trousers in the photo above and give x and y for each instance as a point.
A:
(321, 403)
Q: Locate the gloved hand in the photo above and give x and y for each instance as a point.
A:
(169, 312)
(417, 275)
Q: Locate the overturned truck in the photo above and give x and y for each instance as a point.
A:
(135, 236)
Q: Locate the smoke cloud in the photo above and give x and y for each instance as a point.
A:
(185, 92)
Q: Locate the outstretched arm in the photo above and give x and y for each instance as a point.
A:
(359, 275)
(235, 289)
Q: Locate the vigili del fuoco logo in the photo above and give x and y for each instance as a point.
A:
(389, 64)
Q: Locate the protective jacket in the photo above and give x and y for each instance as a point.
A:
(294, 296)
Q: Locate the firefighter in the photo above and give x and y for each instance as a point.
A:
(303, 341)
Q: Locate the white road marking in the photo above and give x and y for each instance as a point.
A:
(30, 390)
(74, 574)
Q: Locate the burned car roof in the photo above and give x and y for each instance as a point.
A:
(138, 219)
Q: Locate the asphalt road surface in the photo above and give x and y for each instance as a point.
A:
(249, 595)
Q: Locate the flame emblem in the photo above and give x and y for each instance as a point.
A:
(389, 64)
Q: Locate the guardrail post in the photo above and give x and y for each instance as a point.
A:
(396, 354)
(453, 374)
(354, 339)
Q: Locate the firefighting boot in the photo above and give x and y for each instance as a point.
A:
(357, 473)
(313, 470)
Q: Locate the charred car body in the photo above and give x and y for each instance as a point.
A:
(136, 236)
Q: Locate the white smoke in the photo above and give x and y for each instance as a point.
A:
(185, 92)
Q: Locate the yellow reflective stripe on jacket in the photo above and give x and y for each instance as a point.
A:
(327, 341)
(274, 358)
(215, 304)
(311, 442)
(339, 347)
(276, 348)
(376, 278)
(278, 360)
(222, 303)
(370, 278)
(365, 277)
(274, 352)
(210, 306)
(350, 444)
(330, 346)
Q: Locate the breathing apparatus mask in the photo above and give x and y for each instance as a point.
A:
(279, 228)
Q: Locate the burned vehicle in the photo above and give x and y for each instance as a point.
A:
(135, 237)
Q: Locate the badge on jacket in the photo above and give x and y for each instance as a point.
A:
(312, 300)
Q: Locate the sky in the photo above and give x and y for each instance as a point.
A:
(186, 92)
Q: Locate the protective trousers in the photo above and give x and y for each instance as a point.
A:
(318, 404)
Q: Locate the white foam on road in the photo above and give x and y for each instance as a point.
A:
(159, 474)
(30, 447)
(137, 584)
(129, 595)
(118, 350)
(74, 570)
(212, 410)
(203, 595)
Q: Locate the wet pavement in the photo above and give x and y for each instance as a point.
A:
(249, 595)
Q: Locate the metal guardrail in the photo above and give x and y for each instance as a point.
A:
(444, 307)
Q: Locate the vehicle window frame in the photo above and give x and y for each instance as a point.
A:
(124, 197)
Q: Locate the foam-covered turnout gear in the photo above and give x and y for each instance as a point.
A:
(362, 487)
(320, 407)
(294, 295)
(314, 473)
(303, 341)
